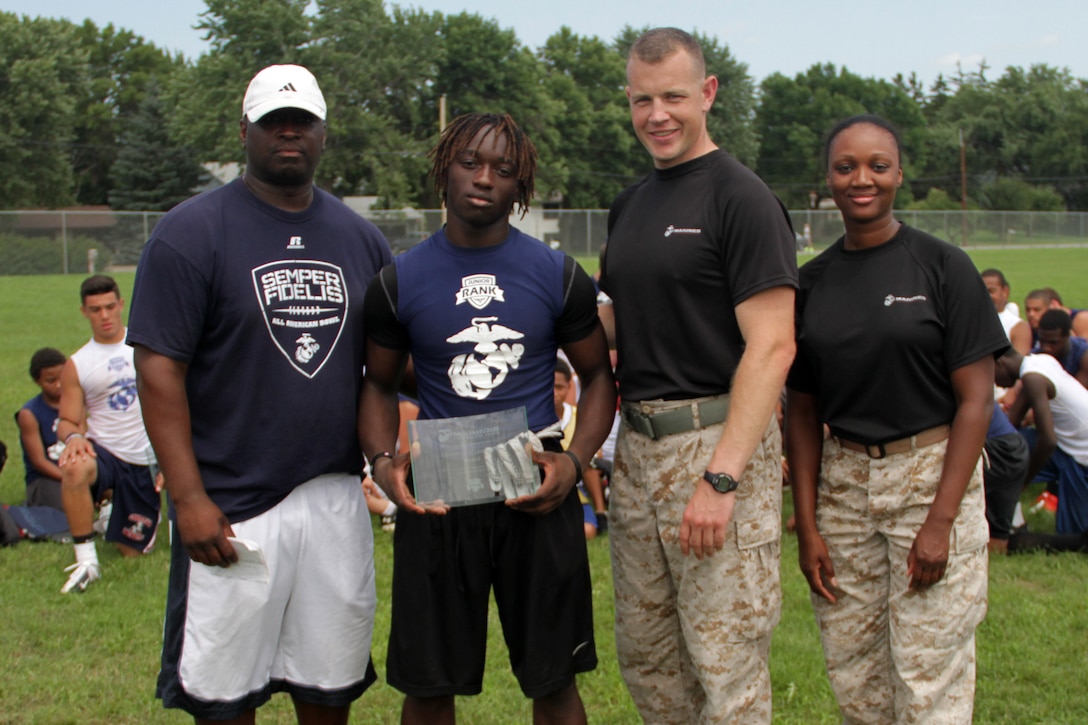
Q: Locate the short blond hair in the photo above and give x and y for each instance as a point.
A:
(656, 45)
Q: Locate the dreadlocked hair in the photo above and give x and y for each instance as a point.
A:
(460, 133)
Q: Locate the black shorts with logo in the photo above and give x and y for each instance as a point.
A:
(136, 504)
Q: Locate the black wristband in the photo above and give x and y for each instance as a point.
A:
(376, 456)
(577, 465)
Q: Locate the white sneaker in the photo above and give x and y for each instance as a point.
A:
(103, 521)
(83, 573)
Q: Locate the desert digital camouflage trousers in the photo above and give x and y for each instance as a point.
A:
(693, 637)
(895, 655)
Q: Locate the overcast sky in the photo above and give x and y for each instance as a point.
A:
(871, 39)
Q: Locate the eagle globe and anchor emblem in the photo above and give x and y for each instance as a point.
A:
(476, 374)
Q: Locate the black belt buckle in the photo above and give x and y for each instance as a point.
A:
(879, 447)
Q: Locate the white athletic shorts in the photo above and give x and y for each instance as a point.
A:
(230, 643)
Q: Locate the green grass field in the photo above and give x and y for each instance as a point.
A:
(91, 659)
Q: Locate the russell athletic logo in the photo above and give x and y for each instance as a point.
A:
(670, 230)
(478, 290)
(305, 306)
(893, 299)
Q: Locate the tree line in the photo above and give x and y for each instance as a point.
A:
(101, 116)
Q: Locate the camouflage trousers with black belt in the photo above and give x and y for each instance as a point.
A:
(895, 655)
(693, 636)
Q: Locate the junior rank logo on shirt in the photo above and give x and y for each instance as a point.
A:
(478, 290)
(305, 305)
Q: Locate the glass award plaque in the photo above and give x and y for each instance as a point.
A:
(473, 459)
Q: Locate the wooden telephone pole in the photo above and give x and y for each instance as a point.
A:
(963, 188)
(441, 129)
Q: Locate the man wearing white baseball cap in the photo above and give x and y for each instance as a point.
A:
(247, 323)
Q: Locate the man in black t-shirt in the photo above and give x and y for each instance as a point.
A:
(701, 270)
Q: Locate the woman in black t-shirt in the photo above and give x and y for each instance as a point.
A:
(895, 354)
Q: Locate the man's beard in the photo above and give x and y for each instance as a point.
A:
(291, 176)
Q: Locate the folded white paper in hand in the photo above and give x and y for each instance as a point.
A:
(251, 564)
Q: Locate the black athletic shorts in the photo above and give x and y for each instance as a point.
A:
(1003, 480)
(444, 568)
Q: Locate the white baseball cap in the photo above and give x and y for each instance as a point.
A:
(283, 86)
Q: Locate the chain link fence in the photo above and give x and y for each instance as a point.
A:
(63, 242)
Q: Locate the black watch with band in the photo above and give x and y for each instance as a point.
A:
(722, 482)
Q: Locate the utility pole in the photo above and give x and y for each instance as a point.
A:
(441, 129)
(963, 187)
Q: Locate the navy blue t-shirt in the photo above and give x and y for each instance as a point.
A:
(46, 415)
(482, 325)
(265, 306)
(999, 423)
(1071, 360)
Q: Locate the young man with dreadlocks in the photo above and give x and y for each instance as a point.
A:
(480, 275)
